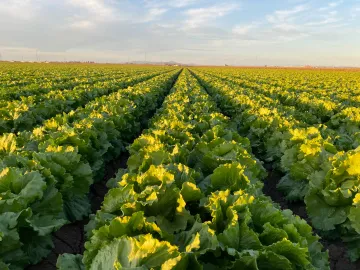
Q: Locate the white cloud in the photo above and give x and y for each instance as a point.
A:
(331, 5)
(280, 16)
(98, 8)
(244, 29)
(198, 17)
(153, 14)
(88, 14)
(157, 11)
(325, 18)
(335, 4)
(82, 24)
(166, 25)
(286, 27)
(20, 9)
(105, 11)
(323, 22)
(301, 22)
(355, 11)
(292, 37)
(170, 3)
(182, 3)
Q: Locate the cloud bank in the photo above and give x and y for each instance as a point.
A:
(192, 31)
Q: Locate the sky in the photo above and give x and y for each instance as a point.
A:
(243, 32)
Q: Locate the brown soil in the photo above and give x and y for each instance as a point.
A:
(337, 249)
(70, 238)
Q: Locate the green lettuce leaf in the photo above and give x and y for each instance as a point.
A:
(70, 262)
(143, 252)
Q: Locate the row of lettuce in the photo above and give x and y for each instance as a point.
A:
(20, 80)
(342, 119)
(45, 174)
(60, 81)
(329, 90)
(29, 111)
(191, 199)
(315, 168)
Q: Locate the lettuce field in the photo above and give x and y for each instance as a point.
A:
(153, 167)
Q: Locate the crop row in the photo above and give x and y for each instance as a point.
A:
(327, 180)
(13, 75)
(343, 130)
(63, 82)
(25, 114)
(45, 174)
(191, 199)
(341, 87)
(342, 121)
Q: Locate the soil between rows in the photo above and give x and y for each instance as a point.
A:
(337, 249)
(71, 237)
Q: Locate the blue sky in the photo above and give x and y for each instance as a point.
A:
(247, 32)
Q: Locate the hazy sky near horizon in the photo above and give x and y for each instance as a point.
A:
(246, 32)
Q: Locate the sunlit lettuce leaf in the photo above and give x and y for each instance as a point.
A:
(142, 252)
(129, 226)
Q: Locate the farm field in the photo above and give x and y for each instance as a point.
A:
(151, 167)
